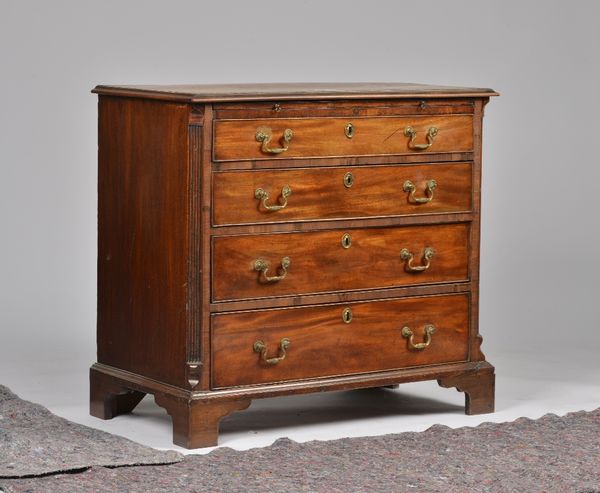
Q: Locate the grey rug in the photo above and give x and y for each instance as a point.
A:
(552, 455)
(33, 441)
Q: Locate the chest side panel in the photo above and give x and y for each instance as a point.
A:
(143, 237)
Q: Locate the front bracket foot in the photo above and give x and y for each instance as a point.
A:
(478, 386)
(109, 397)
(196, 422)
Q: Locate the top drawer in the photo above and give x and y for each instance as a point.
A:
(277, 138)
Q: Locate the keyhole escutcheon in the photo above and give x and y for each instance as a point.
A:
(349, 130)
(348, 180)
(346, 240)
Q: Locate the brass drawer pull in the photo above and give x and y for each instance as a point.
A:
(262, 266)
(261, 347)
(412, 133)
(264, 135)
(408, 257)
(408, 334)
(263, 196)
(410, 188)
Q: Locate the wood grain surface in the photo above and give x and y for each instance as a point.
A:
(351, 109)
(210, 93)
(143, 237)
(320, 193)
(235, 140)
(319, 262)
(322, 344)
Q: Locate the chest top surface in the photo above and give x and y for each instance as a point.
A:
(209, 93)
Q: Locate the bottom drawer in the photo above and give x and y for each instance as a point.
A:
(266, 346)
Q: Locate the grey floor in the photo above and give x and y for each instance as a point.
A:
(524, 387)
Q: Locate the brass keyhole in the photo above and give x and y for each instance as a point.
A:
(346, 240)
(347, 315)
(349, 130)
(348, 180)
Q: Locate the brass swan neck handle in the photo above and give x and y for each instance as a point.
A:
(412, 134)
(261, 347)
(262, 266)
(407, 256)
(410, 188)
(264, 135)
(407, 333)
(263, 196)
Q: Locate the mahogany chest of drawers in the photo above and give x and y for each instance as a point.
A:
(262, 240)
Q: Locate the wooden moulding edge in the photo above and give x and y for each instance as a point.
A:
(140, 383)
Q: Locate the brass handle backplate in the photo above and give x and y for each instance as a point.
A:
(264, 135)
(408, 257)
(408, 334)
(412, 134)
(263, 196)
(410, 188)
(262, 266)
(261, 347)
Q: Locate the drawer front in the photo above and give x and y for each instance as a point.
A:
(236, 140)
(244, 197)
(256, 266)
(326, 341)
(340, 108)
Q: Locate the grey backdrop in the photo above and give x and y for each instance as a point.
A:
(541, 191)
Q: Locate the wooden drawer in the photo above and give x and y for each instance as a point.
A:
(347, 109)
(236, 140)
(322, 261)
(340, 192)
(323, 342)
